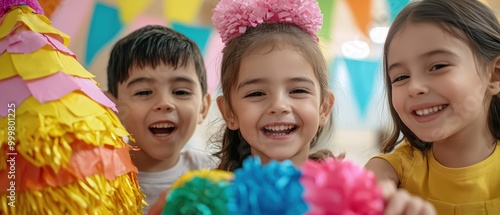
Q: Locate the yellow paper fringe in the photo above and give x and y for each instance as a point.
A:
(212, 175)
(93, 195)
(40, 63)
(44, 132)
(35, 22)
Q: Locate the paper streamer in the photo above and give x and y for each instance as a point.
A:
(362, 75)
(104, 26)
(7, 87)
(197, 33)
(25, 42)
(130, 9)
(44, 90)
(183, 11)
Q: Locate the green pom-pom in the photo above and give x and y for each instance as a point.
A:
(198, 196)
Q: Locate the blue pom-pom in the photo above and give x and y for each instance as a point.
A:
(266, 189)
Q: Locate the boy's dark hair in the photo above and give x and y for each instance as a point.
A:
(468, 20)
(151, 46)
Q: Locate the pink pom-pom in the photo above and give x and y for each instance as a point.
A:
(5, 5)
(233, 17)
(340, 187)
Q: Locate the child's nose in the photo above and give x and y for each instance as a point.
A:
(417, 87)
(280, 105)
(164, 104)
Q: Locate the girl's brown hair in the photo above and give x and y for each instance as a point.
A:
(468, 20)
(234, 147)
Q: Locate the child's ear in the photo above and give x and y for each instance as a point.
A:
(494, 77)
(326, 108)
(227, 114)
(205, 106)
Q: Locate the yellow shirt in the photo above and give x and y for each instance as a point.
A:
(469, 190)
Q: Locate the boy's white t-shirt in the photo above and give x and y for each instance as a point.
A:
(153, 183)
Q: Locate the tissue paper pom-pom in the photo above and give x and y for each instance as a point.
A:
(232, 17)
(6, 5)
(198, 196)
(270, 189)
(212, 175)
(336, 187)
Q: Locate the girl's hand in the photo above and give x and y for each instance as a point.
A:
(160, 203)
(399, 202)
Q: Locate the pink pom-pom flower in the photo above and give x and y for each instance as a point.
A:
(340, 187)
(233, 17)
(5, 5)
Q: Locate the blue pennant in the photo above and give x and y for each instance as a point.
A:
(362, 74)
(198, 34)
(104, 26)
(395, 6)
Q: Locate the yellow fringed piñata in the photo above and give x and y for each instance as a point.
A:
(61, 146)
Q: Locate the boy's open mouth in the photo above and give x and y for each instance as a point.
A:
(162, 129)
(279, 130)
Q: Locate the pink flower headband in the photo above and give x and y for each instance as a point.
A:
(233, 17)
(5, 5)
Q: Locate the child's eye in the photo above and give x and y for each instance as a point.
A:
(295, 91)
(254, 94)
(143, 93)
(438, 66)
(400, 78)
(182, 92)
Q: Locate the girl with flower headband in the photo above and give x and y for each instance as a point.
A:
(442, 74)
(276, 101)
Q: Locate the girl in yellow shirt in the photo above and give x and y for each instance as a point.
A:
(442, 73)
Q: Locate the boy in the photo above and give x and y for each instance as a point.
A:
(157, 78)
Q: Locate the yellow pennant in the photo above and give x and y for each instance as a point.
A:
(184, 11)
(129, 9)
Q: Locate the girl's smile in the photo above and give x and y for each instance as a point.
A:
(427, 113)
(279, 131)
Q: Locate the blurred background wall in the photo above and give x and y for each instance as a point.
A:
(352, 36)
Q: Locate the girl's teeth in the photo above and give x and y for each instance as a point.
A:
(279, 127)
(430, 110)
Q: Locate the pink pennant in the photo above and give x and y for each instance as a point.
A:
(69, 16)
(213, 58)
(144, 20)
(25, 42)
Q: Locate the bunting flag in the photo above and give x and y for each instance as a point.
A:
(362, 75)
(362, 13)
(394, 6)
(104, 26)
(197, 33)
(130, 9)
(77, 13)
(213, 59)
(181, 11)
(327, 7)
(49, 6)
(143, 20)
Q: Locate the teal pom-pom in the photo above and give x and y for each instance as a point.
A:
(266, 189)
